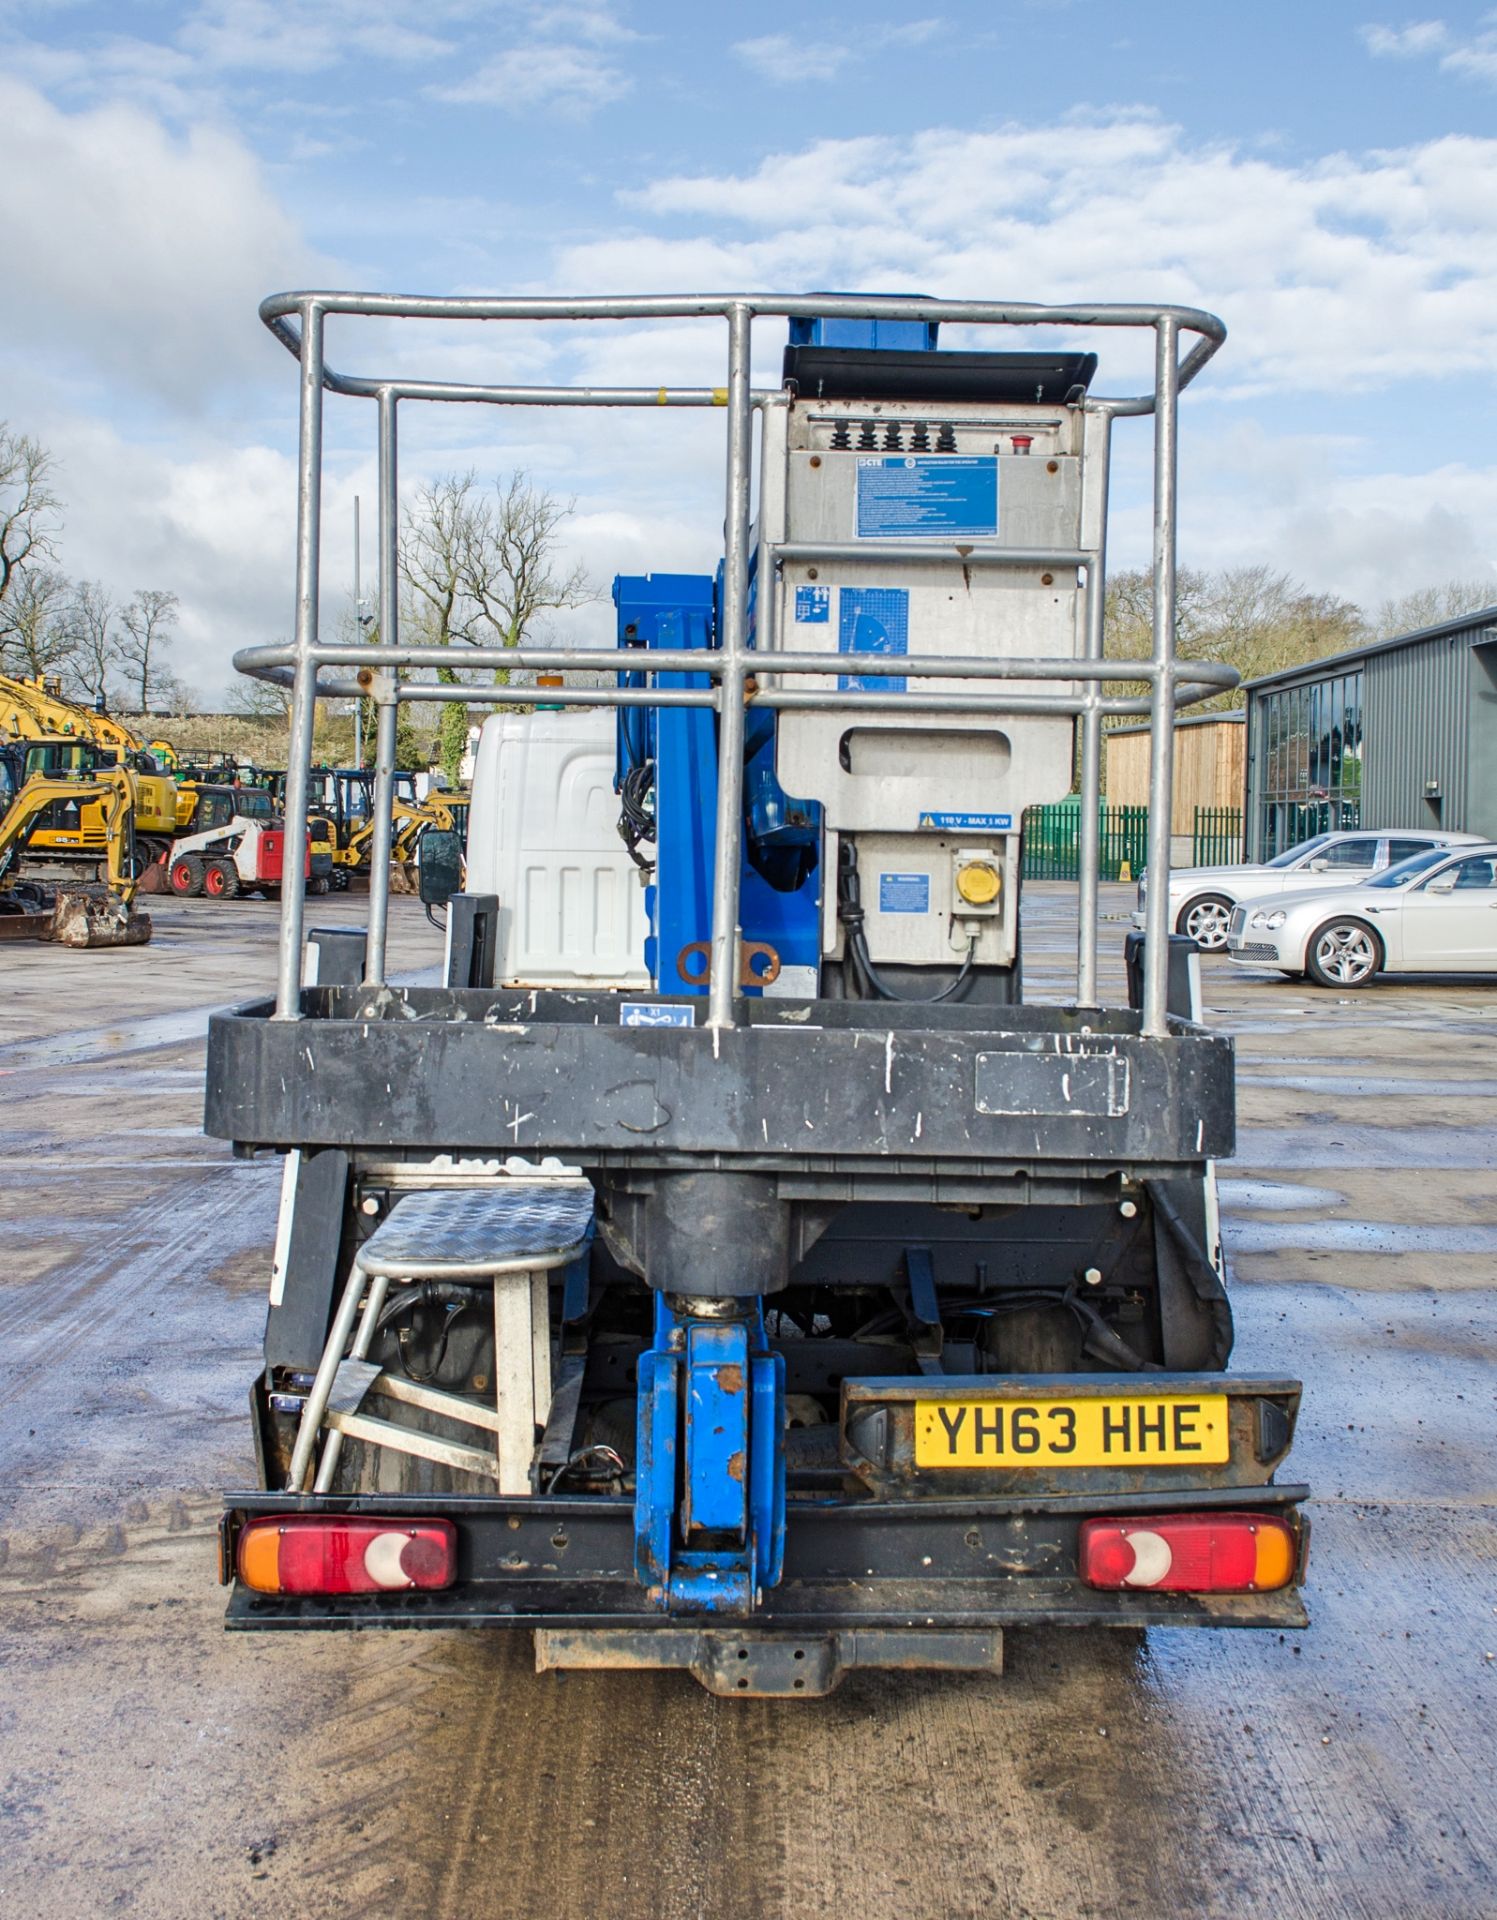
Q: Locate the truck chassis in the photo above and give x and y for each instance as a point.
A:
(820, 1239)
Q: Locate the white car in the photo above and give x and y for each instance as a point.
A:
(1202, 898)
(1436, 913)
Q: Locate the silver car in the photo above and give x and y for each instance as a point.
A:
(1202, 898)
(1435, 913)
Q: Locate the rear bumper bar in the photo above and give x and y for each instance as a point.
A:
(952, 1566)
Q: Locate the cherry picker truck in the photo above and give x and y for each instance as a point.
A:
(829, 1302)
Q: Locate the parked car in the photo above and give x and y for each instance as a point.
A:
(1435, 913)
(1202, 898)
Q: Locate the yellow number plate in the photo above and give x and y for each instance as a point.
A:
(1156, 1430)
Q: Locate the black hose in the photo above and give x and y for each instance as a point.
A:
(850, 913)
(636, 816)
(452, 1299)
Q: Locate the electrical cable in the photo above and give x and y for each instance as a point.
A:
(637, 817)
(850, 913)
(609, 1456)
(451, 1299)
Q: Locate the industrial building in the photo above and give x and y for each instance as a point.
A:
(1402, 733)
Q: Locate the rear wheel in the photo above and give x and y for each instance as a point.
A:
(1343, 953)
(220, 880)
(186, 875)
(1206, 919)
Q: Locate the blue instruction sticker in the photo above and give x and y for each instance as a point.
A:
(968, 822)
(813, 605)
(640, 1013)
(947, 496)
(873, 620)
(904, 893)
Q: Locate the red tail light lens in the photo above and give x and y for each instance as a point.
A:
(1188, 1553)
(342, 1553)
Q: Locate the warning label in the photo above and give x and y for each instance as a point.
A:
(904, 893)
(873, 620)
(947, 496)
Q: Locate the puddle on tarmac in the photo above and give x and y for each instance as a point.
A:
(160, 1030)
(99, 1043)
(1361, 1086)
(1355, 1236)
(1278, 1196)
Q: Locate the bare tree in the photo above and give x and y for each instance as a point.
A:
(29, 509)
(1248, 617)
(90, 615)
(481, 570)
(173, 695)
(515, 577)
(148, 618)
(1429, 606)
(259, 699)
(36, 635)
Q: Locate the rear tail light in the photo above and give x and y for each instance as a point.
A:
(341, 1553)
(1189, 1553)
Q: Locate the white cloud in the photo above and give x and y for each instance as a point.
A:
(140, 254)
(787, 60)
(598, 25)
(1472, 57)
(265, 36)
(138, 257)
(1344, 271)
(216, 47)
(563, 57)
(574, 79)
(1289, 501)
(1406, 43)
(215, 526)
(783, 58)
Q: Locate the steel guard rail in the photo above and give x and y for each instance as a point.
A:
(299, 320)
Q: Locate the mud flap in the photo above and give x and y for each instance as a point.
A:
(1195, 1316)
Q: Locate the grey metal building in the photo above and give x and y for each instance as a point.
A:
(1402, 733)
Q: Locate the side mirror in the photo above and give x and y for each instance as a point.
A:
(439, 858)
(1320, 866)
(1443, 882)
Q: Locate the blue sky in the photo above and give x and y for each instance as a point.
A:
(1324, 176)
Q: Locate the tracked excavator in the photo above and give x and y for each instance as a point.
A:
(70, 915)
(61, 736)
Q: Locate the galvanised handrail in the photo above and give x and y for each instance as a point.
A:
(299, 320)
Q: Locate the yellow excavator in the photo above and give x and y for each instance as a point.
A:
(73, 916)
(60, 737)
(441, 808)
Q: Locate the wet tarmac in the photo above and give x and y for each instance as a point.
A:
(151, 1766)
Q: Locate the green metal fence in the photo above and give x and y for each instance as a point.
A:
(1052, 839)
(1216, 838)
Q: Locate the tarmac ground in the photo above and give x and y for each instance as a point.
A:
(150, 1765)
